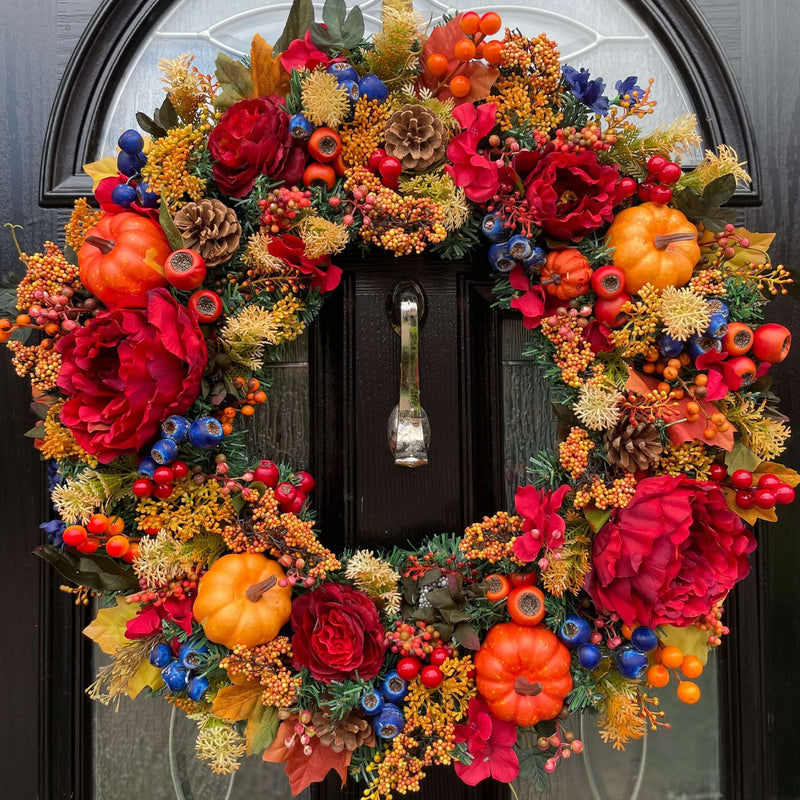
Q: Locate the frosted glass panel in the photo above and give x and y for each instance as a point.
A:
(605, 37)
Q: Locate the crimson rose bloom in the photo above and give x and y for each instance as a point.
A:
(570, 194)
(670, 555)
(253, 139)
(126, 370)
(337, 631)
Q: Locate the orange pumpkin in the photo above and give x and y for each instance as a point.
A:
(566, 274)
(523, 673)
(653, 244)
(239, 600)
(123, 258)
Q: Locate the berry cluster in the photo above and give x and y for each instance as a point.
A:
(764, 490)
(563, 742)
(280, 208)
(181, 670)
(661, 175)
(102, 531)
(672, 658)
(130, 160)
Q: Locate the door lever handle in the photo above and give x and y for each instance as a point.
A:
(409, 430)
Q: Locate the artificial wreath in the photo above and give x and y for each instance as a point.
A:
(210, 239)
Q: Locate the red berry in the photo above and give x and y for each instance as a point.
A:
(307, 482)
(626, 187)
(742, 479)
(390, 167)
(643, 190)
(655, 165)
(97, 524)
(74, 535)
(162, 490)
(408, 668)
(768, 481)
(296, 505)
(285, 492)
(765, 498)
(609, 310)
(117, 546)
(180, 469)
(164, 475)
(142, 487)
(431, 676)
(438, 657)
(608, 281)
(89, 546)
(745, 498)
(375, 159)
(670, 173)
(660, 194)
(267, 472)
(771, 342)
(784, 494)
(718, 472)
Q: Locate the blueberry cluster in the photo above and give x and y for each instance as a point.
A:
(180, 671)
(382, 706)
(507, 251)
(130, 161)
(710, 339)
(204, 433)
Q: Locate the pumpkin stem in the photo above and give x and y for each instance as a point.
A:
(105, 246)
(255, 591)
(524, 687)
(555, 278)
(662, 240)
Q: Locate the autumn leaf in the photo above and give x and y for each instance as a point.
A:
(261, 728)
(108, 627)
(443, 40)
(267, 72)
(239, 701)
(782, 473)
(146, 677)
(691, 640)
(741, 458)
(749, 515)
(99, 170)
(234, 81)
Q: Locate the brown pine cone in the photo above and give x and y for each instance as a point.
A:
(348, 734)
(633, 447)
(210, 228)
(415, 136)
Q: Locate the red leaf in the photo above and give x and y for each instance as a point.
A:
(443, 40)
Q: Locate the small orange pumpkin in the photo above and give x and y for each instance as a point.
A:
(523, 673)
(566, 274)
(239, 600)
(123, 258)
(653, 244)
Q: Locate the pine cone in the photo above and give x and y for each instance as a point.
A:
(348, 734)
(211, 228)
(415, 136)
(633, 447)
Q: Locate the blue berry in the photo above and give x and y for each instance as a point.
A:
(164, 451)
(394, 688)
(389, 722)
(519, 247)
(205, 433)
(129, 164)
(175, 427)
(535, 259)
(373, 88)
(144, 197)
(175, 675)
(197, 688)
(718, 307)
(575, 631)
(343, 71)
(644, 639)
(131, 142)
(669, 347)
(300, 127)
(717, 326)
(500, 258)
(698, 345)
(191, 656)
(161, 654)
(123, 195)
(494, 228)
(630, 662)
(146, 467)
(351, 90)
(589, 656)
(372, 703)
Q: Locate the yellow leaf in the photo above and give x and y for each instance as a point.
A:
(108, 627)
(238, 701)
(146, 676)
(749, 515)
(691, 640)
(269, 76)
(98, 170)
(782, 473)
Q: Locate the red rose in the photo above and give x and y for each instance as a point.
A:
(253, 139)
(126, 370)
(292, 251)
(670, 555)
(337, 633)
(570, 194)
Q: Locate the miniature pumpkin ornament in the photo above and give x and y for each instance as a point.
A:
(566, 274)
(653, 244)
(523, 673)
(240, 601)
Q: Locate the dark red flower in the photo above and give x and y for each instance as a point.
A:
(541, 523)
(476, 173)
(670, 555)
(291, 250)
(490, 742)
(569, 194)
(303, 54)
(337, 633)
(126, 370)
(253, 139)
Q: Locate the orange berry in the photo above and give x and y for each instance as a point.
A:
(253, 384)
(692, 408)
(663, 387)
(648, 368)
(678, 393)
(5, 324)
(117, 546)
(133, 551)
(718, 418)
(692, 667)
(670, 373)
(685, 359)
(239, 382)
(229, 412)
(260, 397)
(5, 335)
(660, 364)
(460, 86)
(723, 427)
(626, 631)
(652, 354)
(471, 22)
(23, 319)
(671, 657)
(115, 525)
(710, 432)
(658, 676)
(247, 410)
(701, 379)
(437, 64)
(52, 328)
(688, 692)
(674, 362)
(464, 50)
(97, 524)
(490, 23)
(492, 51)
(227, 428)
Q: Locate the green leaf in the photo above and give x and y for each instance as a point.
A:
(235, 81)
(719, 191)
(70, 256)
(148, 125)
(596, 517)
(741, 458)
(531, 768)
(353, 29)
(300, 17)
(166, 117)
(170, 228)
(334, 13)
(36, 432)
(690, 203)
(238, 502)
(321, 37)
(691, 640)
(441, 598)
(261, 728)
(466, 636)
(429, 577)
(95, 571)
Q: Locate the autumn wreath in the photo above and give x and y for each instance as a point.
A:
(210, 240)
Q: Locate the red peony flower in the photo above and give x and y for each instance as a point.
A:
(670, 555)
(149, 618)
(477, 174)
(535, 303)
(570, 194)
(291, 250)
(303, 54)
(490, 742)
(126, 370)
(541, 523)
(337, 633)
(253, 139)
